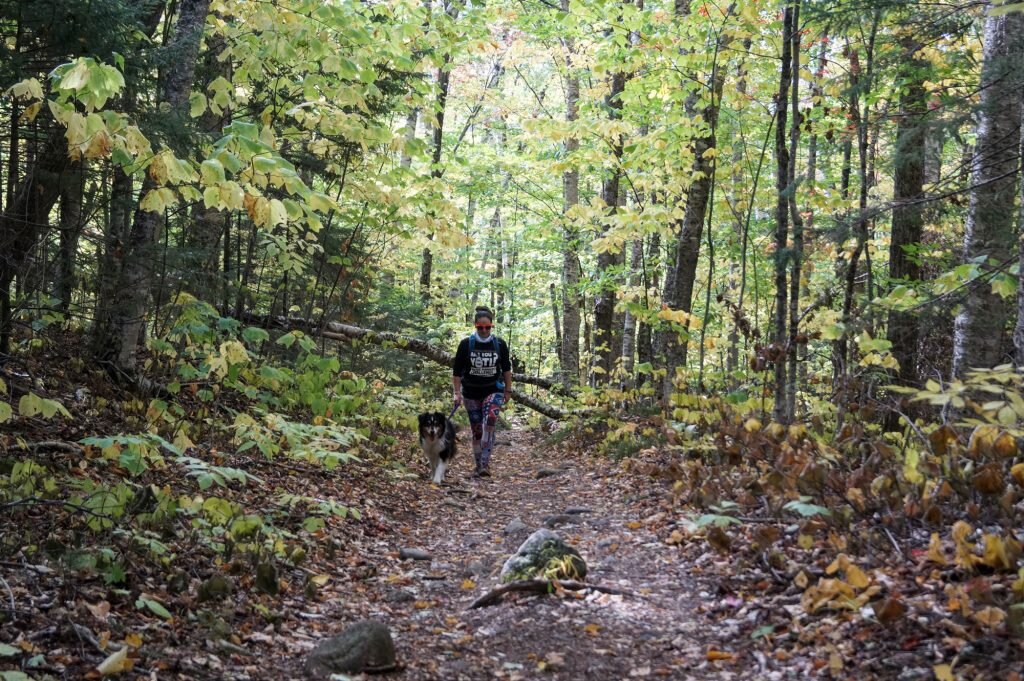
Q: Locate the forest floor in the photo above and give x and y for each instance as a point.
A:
(698, 606)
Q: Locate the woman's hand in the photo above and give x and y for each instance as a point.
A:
(456, 399)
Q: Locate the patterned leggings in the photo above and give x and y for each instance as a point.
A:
(483, 416)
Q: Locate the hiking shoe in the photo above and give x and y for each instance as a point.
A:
(484, 473)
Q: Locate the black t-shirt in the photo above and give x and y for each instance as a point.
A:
(482, 368)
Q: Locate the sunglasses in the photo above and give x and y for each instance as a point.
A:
(484, 328)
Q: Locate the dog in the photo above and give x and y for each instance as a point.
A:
(438, 440)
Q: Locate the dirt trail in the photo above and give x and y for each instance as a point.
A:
(464, 526)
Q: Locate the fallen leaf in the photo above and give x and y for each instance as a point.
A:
(116, 663)
(100, 611)
(468, 584)
(943, 672)
(720, 655)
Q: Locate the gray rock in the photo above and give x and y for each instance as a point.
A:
(216, 588)
(474, 569)
(554, 521)
(267, 579)
(413, 554)
(516, 525)
(543, 551)
(399, 596)
(365, 646)
(545, 473)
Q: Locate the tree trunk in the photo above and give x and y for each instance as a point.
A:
(907, 214)
(1018, 332)
(989, 234)
(679, 279)
(796, 257)
(443, 83)
(27, 215)
(557, 321)
(636, 262)
(649, 273)
(71, 224)
(602, 362)
(782, 161)
(117, 334)
(570, 351)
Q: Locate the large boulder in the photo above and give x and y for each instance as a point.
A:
(364, 646)
(544, 554)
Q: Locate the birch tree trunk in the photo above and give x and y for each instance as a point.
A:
(989, 234)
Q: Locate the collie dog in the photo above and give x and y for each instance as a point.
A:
(437, 438)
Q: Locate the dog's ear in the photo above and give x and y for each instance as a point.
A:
(423, 418)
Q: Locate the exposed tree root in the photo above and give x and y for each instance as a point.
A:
(541, 586)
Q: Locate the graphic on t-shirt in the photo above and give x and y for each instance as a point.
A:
(483, 363)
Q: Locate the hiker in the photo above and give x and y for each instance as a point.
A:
(482, 381)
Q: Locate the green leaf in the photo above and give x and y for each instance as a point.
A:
(154, 607)
(805, 509)
(14, 676)
(9, 651)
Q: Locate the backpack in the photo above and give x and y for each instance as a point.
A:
(472, 345)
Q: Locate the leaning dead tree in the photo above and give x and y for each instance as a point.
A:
(348, 333)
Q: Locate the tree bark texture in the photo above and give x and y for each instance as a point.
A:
(117, 333)
(782, 161)
(907, 215)
(989, 234)
(570, 350)
(603, 362)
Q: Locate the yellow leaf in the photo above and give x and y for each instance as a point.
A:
(133, 640)
(943, 672)
(116, 663)
(320, 580)
(857, 578)
(752, 425)
(468, 584)
(1018, 473)
(592, 629)
(935, 554)
(991, 616)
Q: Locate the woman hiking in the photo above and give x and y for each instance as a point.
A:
(482, 381)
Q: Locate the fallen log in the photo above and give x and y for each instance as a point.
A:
(541, 586)
(347, 333)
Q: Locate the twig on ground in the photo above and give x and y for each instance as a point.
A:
(36, 501)
(895, 544)
(10, 594)
(52, 445)
(542, 586)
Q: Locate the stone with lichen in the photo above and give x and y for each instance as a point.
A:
(544, 554)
